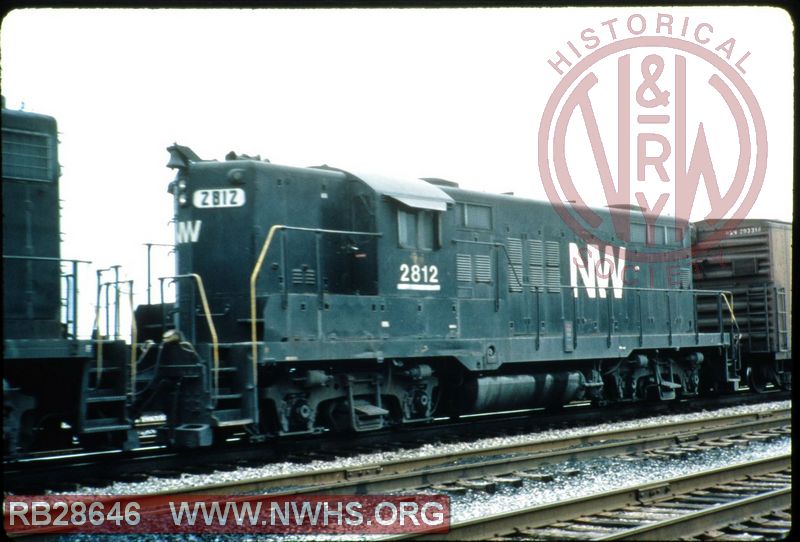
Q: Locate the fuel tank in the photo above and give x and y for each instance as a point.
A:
(510, 392)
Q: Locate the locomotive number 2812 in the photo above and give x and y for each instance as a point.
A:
(418, 277)
(219, 197)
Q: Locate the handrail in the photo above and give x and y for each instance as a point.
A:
(73, 298)
(211, 328)
(134, 338)
(537, 289)
(97, 339)
(68, 303)
(729, 303)
(150, 246)
(253, 277)
(498, 244)
(96, 331)
(257, 269)
(44, 259)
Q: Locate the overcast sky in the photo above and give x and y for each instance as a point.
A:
(457, 94)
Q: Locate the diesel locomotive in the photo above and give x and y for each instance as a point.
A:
(314, 300)
(51, 391)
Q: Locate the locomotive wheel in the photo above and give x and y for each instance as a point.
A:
(759, 376)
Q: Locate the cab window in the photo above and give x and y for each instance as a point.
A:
(418, 229)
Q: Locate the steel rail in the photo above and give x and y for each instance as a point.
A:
(713, 517)
(354, 483)
(548, 514)
(25, 474)
(493, 461)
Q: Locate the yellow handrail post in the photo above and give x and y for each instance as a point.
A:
(210, 321)
(729, 303)
(211, 328)
(253, 277)
(257, 269)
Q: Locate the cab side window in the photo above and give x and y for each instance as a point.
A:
(407, 228)
(418, 229)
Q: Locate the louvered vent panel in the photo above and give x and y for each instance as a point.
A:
(304, 276)
(686, 277)
(553, 279)
(553, 273)
(536, 262)
(515, 266)
(536, 252)
(483, 268)
(464, 267)
(553, 255)
(537, 276)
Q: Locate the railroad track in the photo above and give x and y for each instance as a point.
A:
(69, 473)
(144, 427)
(483, 468)
(749, 500)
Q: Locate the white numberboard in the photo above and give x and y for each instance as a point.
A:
(218, 197)
(419, 277)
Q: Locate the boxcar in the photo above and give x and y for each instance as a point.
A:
(753, 261)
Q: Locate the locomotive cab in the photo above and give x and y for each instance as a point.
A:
(275, 259)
